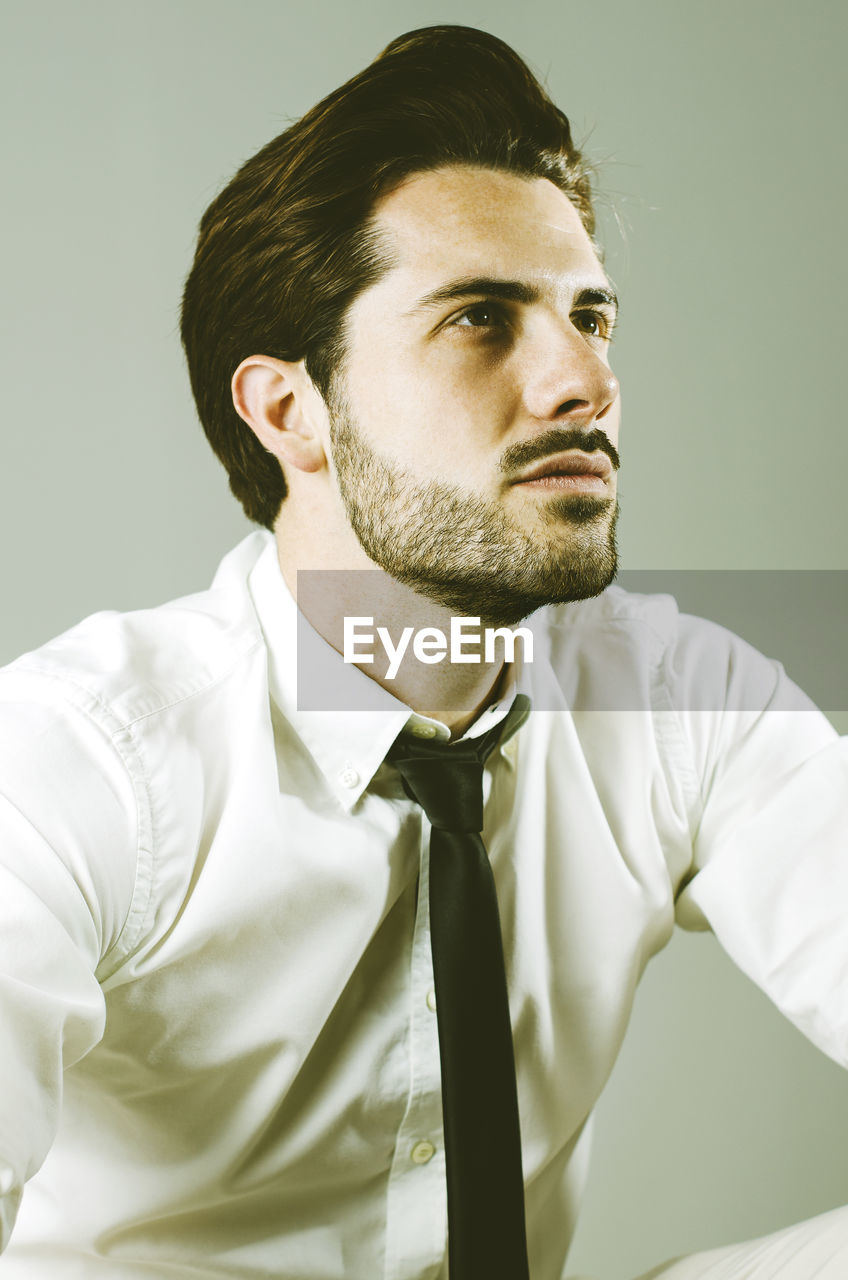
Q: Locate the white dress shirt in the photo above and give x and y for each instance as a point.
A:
(218, 1047)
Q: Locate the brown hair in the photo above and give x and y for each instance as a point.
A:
(288, 244)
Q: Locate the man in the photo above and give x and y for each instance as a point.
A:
(223, 1054)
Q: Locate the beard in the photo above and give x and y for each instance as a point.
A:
(463, 552)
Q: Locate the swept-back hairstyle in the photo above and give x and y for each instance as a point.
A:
(288, 244)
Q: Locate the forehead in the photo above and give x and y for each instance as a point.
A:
(462, 221)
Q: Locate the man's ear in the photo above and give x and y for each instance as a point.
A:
(278, 401)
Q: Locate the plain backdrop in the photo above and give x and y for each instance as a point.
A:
(718, 134)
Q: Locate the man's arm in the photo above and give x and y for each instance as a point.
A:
(769, 870)
(770, 878)
(67, 842)
(812, 1250)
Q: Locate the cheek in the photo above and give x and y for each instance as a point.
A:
(462, 427)
(443, 411)
(421, 416)
(476, 397)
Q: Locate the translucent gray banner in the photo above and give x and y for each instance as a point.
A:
(649, 643)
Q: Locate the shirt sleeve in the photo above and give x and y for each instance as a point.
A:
(68, 835)
(816, 1248)
(769, 872)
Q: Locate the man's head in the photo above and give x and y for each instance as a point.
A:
(413, 262)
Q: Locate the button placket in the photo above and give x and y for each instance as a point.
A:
(416, 1236)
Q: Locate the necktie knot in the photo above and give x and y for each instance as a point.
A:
(446, 779)
(449, 792)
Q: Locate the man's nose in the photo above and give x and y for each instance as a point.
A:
(566, 378)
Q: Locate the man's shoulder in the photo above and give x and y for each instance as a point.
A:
(655, 618)
(631, 650)
(133, 664)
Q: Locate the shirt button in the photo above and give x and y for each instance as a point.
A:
(423, 730)
(348, 777)
(431, 1000)
(423, 1152)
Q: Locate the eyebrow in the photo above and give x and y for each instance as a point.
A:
(508, 291)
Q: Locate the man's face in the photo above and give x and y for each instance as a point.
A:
(475, 421)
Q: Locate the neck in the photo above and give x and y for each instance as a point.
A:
(399, 630)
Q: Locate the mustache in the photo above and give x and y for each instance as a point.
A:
(558, 440)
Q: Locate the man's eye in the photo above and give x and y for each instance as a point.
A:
(595, 323)
(482, 316)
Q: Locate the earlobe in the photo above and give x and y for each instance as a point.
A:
(277, 400)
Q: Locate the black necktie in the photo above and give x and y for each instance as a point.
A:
(486, 1234)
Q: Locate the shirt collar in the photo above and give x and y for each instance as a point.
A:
(348, 746)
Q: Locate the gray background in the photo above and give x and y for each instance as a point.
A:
(718, 131)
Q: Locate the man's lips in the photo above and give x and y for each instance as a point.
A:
(572, 464)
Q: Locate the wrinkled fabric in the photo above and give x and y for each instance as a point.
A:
(218, 1045)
